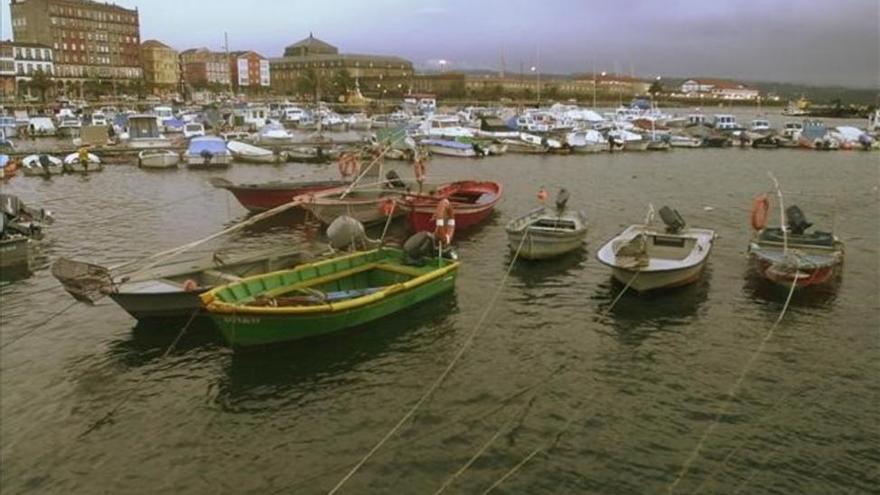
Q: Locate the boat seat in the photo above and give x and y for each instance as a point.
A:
(221, 276)
(817, 238)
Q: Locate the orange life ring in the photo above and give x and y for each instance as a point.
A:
(420, 170)
(760, 211)
(445, 222)
(387, 207)
(349, 165)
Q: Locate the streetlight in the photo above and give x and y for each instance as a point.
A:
(442, 63)
(537, 82)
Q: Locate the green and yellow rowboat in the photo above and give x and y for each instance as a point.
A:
(325, 296)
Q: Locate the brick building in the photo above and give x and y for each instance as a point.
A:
(91, 40)
(201, 68)
(249, 71)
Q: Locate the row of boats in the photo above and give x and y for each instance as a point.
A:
(265, 298)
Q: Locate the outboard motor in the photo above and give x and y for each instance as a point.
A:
(672, 219)
(796, 220)
(45, 163)
(345, 232)
(562, 199)
(394, 179)
(422, 246)
(207, 156)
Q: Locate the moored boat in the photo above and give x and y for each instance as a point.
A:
(42, 165)
(207, 152)
(472, 202)
(267, 195)
(645, 257)
(547, 232)
(248, 153)
(791, 255)
(324, 297)
(172, 290)
(158, 159)
(450, 147)
(73, 164)
(366, 205)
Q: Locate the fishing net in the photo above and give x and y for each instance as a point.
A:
(84, 281)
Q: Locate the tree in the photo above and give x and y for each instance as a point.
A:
(40, 82)
(309, 83)
(656, 88)
(342, 82)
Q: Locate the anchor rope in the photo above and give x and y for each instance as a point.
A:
(620, 295)
(695, 453)
(454, 420)
(37, 326)
(97, 424)
(440, 379)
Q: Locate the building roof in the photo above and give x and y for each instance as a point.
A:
(719, 83)
(313, 44)
(608, 78)
(241, 53)
(155, 44)
(342, 57)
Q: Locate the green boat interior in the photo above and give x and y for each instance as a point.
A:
(322, 283)
(555, 224)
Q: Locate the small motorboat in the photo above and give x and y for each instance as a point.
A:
(158, 159)
(207, 152)
(646, 257)
(766, 142)
(472, 202)
(450, 147)
(325, 297)
(171, 290)
(249, 153)
(72, 164)
(42, 165)
(274, 133)
(587, 141)
(315, 154)
(682, 141)
(548, 232)
(791, 255)
(267, 195)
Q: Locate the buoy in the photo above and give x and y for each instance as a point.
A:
(445, 222)
(760, 210)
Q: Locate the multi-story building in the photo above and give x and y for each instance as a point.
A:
(375, 74)
(161, 67)
(19, 62)
(91, 40)
(250, 70)
(202, 68)
(718, 88)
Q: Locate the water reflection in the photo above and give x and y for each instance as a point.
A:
(536, 273)
(148, 340)
(254, 375)
(636, 315)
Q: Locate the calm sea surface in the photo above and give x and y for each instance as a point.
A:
(616, 402)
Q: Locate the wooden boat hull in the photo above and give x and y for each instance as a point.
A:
(14, 252)
(244, 325)
(420, 211)
(169, 305)
(261, 159)
(806, 265)
(364, 211)
(546, 241)
(805, 277)
(158, 160)
(262, 197)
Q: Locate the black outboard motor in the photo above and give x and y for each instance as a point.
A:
(394, 179)
(207, 156)
(672, 219)
(562, 199)
(421, 247)
(796, 220)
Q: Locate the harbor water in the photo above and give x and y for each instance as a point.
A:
(598, 401)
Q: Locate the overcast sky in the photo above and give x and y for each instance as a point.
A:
(807, 41)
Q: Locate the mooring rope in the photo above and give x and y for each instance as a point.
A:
(526, 459)
(97, 424)
(620, 295)
(37, 326)
(440, 378)
(732, 393)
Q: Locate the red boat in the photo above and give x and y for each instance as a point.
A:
(268, 195)
(472, 201)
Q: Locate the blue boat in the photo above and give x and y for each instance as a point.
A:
(207, 152)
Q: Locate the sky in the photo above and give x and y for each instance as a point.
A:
(821, 42)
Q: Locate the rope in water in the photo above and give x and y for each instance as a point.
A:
(37, 326)
(440, 379)
(526, 459)
(622, 292)
(731, 393)
(97, 424)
